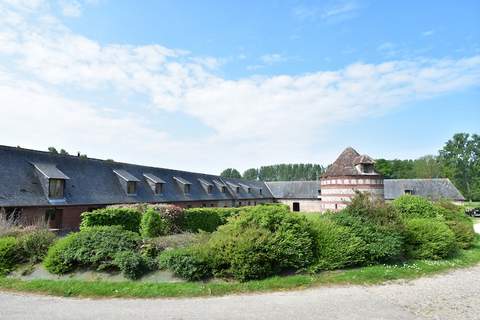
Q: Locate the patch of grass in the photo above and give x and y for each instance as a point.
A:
(366, 275)
(471, 205)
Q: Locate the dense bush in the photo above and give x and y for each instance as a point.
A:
(429, 239)
(172, 215)
(132, 264)
(152, 225)
(129, 219)
(207, 219)
(8, 254)
(415, 207)
(336, 246)
(34, 245)
(155, 246)
(262, 241)
(463, 231)
(188, 263)
(377, 224)
(93, 247)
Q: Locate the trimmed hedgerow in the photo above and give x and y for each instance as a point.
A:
(429, 239)
(93, 247)
(409, 206)
(336, 246)
(207, 219)
(152, 225)
(129, 219)
(9, 255)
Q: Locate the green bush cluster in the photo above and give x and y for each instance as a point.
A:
(261, 242)
(8, 254)
(429, 239)
(93, 247)
(129, 219)
(336, 246)
(409, 206)
(152, 225)
(188, 263)
(33, 246)
(133, 264)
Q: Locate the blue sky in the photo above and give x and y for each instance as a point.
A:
(204, 85)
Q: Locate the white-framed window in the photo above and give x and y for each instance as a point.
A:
(131, 187)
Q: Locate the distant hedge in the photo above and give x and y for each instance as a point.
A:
(128, 219)
(207, 219)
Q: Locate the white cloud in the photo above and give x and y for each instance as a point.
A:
(255, 120)
(71, 8)
(333, 12)
(428, 33)
(273, 58)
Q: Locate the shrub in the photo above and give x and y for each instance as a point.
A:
(9, 256)
(93, 247)
(429, 239)
(415, 207)
(188, 263)
(152, 225)
(34, 245)
(336, 246)
(129, 219)
(382, 243)
(262, 241)
(207, 219)
(463, 231)
(132, 264)
(154, 246)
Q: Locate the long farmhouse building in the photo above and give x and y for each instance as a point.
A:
(42, 185)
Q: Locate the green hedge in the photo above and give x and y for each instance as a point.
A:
(152, 225)
(9, 256)
(336, 246)
(409, 206)
(93, 247)
(188, 263)
(34, 245)
(129, 219)
(207, 219)
(429, 239)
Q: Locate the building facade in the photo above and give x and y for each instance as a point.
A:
(41, 185)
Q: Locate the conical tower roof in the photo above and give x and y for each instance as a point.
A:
(345, 164)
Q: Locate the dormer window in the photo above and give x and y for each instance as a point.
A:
(128, 181)
(210, 189)
(224, 189)
(52, 180)
(260, 191)
(220, 185)
(409, 191)
(186, 185)
(246, 188)
(56, 188)
(207, 186)
(156, 184)
(131, 187)
(238, 189)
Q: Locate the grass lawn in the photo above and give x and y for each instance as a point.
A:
(365, 275)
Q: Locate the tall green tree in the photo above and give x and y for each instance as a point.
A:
(250, 174)
(231, 173)
(427, 167)
(460, 159)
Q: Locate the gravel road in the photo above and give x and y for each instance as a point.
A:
(454, 295)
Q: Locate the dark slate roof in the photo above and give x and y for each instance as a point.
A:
(93, 181)
(153, 178)
(429, 188)
(345, 164)
(294, 189)
(125, 175)
(50, 171)
(181, 180)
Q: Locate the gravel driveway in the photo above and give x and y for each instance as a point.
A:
(455, 295)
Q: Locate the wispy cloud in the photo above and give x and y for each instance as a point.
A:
(273, 58)
(43, 62)
(71, 8)
(334, 12)
(428, 33)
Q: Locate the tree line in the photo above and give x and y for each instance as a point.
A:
(458, 160)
